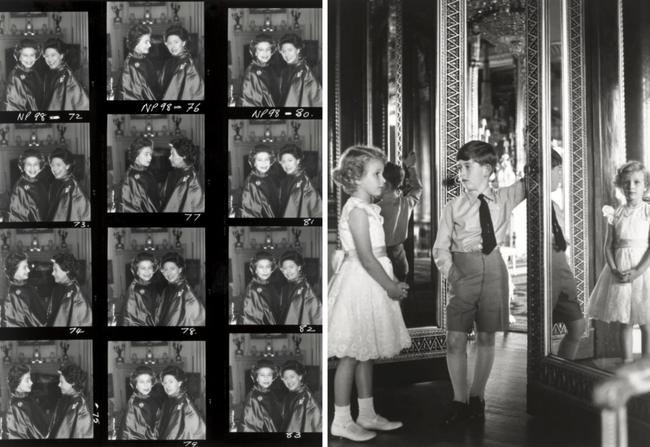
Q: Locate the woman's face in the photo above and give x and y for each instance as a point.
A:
(53, 58)
(171, 271)
(292, 380)
(144, 156)
(176, 160)
(32, 166)
(143, 45)
(289, 53)
(59, 168)
(171, 385)
(289, 163)
(145, 270)
(263, 52)
(262, 162)
(60, 276)
(25, 385)
(263, 269)
(22, 271)
(265, 377)
(290, 269)
(66, 388)
(143, 384)
(175, 45)
(27, 57)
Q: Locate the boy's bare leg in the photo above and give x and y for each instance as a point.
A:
(457, 363)
(484, 361)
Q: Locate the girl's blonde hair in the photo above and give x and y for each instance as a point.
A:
(352, 165)
(631, 167)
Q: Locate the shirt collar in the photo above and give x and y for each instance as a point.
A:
(488, 192)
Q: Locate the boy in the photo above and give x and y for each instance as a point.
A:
(471, 228)
(563, 284)
(396, 208)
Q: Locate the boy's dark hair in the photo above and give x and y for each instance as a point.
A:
(75, 376)
(67, 263)
(481, 152)
(16, 373)
(292, 255)
(556, 158)
(393, 174)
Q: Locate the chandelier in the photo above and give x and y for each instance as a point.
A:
(500, 22)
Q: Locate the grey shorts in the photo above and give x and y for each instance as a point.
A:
(563, 290)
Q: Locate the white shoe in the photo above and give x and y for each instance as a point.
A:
(351, 431)
(379, 423)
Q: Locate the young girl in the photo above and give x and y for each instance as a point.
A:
(142, 410)
(261, 301)
(139, 80)
(300, 411)
(140, 304)
(29, 198)
(259, 87)
(622, 291)
(140, 189)
(179, 418)
(260, 193)
(62, 90)
(179, 78)
(300, 305)
(298, 197)
(365, 320)
(68, 203)
(182, 192)
(262, 410)
(298, 85)
(178, 305)
(22, 307)
(25, 84)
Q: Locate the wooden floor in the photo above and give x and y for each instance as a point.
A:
(421, 408)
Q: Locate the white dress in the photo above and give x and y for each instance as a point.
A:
(624, 302)
(364, 323)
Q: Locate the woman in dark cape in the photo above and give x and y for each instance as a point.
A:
(139, 80)
(298, 197)
(25, 84)
(72, 418)
(260, 85)
(298, 85)
(140, 303)
(300, 303)
(262, 408)
(29, 198)
(23, 307)
(62, 90)
(68, 307)
(300, 411)
(179, 418)
(179, 77)
(260, 192)
(140, 190)
(142, 410)
(24, 418)
(261, 301)
(182, 192)
(68, 203)
(178, 305)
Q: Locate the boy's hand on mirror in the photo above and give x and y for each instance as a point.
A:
(410, 160)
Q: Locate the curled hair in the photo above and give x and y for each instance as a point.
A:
(393, 174)
(30, 152)
(263, 363)
(67, 263)
(135, 33)
(631, 167)
(259, 39)
(11, 263)
(292, 149)
(177, 30)
(481, 152)
(186, 149)
(137, 145)
(57, 44)
(143, 256)
(174, 257)
(556, 158)
(258, 149)
(259, 256)
(75, 376)
(294, 40)
(140, 370)
(16, 373)
(64, 155)
(26, 43)
(293, 365)
(174, 371)
(352, 166)
(292, 255)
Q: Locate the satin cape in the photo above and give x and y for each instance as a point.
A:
(262, 411)
(179, 419)
(63, 91)
(72, 419)
(24, 90)
(180, 80)
(259, 87)
(182, 192)
(68, 203)
(301, 304)
(24, 419)
(261, 303)
(140, 418)
(298, 197)
(178, 306)
(299, 87)
(301, 413)
(139, 308)
(140, 191)
(259, 196)
(68, 307)
(139, 80)
(29, 200)
(23, 307)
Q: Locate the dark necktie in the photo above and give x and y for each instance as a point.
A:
(558, 237)
(487, 230)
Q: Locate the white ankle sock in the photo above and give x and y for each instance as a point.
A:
(342, 415)
(367, 408)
